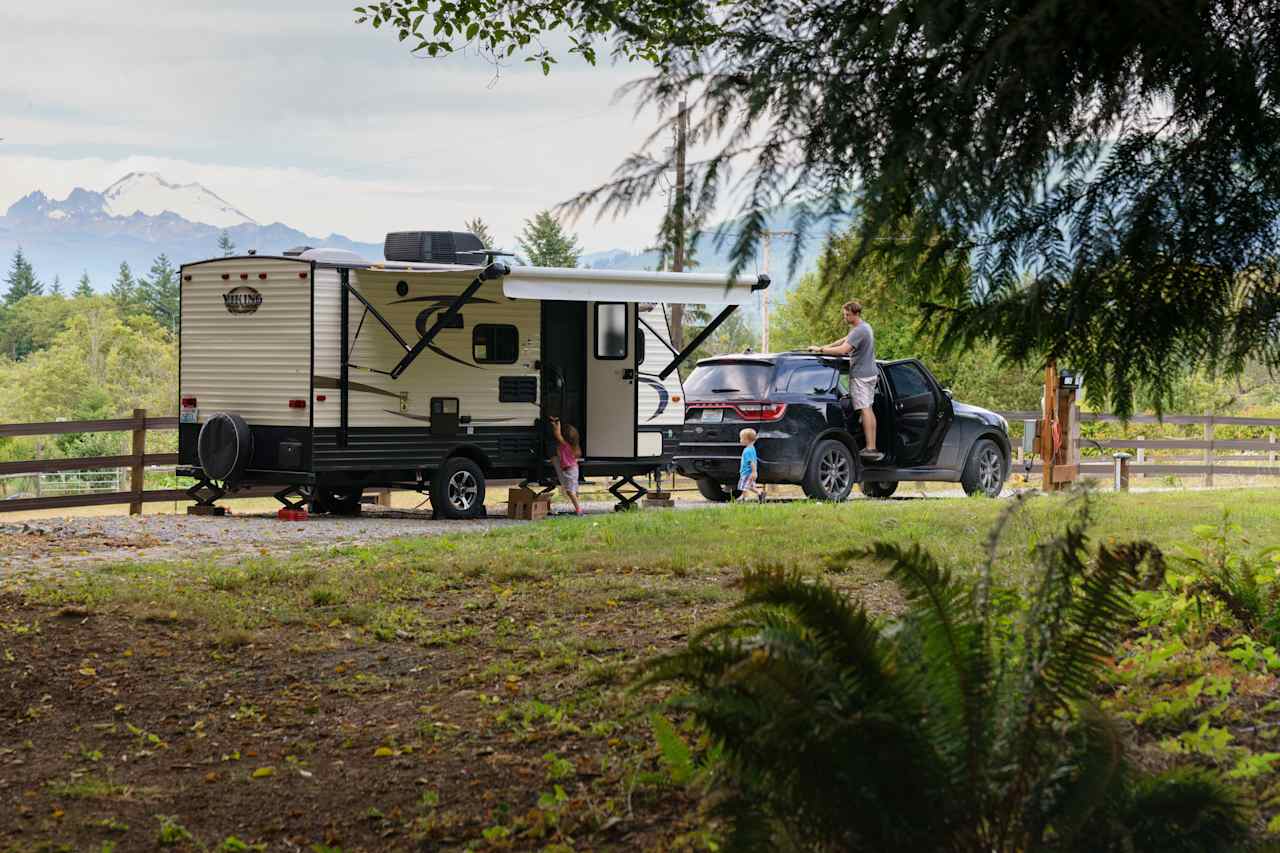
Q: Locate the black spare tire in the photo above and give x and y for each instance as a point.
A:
(225, 447)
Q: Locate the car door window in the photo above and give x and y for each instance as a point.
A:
(811, 379)
(908, 381)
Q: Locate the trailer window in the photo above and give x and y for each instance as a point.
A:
(611, 330)
(494, 344)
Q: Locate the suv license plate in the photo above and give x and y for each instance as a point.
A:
(712, 416)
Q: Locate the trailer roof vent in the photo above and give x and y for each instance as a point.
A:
(436, 247)
(296, 251)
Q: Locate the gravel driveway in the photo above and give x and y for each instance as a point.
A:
(50, 545)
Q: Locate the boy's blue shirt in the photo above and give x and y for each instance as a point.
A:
(748, 456)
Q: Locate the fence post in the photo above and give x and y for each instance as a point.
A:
(1121, 471)
(1271, 439)
(1208, 451)
(1142, 451)
(137, 479)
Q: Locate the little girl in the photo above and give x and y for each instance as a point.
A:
(566, 460)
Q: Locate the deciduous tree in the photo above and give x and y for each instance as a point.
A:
(1093, 182)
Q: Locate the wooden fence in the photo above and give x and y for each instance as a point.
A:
(136, 461)
(1206, 463)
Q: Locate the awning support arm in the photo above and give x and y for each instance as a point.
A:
(697, 341)
(494, 270)
(374, 311)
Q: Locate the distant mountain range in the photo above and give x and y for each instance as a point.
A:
(142, 215)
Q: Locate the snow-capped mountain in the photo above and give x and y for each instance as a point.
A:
(134, 220)
(147, 192)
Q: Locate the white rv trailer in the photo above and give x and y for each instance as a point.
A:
(326, 374)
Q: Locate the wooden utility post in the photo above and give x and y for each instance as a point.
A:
(677, 248)
(1048, 416)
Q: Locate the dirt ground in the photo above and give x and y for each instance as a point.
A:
(133, 733)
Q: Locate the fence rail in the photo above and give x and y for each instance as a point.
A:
(1205, 464)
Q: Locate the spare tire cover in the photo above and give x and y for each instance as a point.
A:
(225, 446)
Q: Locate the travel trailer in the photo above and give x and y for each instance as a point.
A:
(437, 370)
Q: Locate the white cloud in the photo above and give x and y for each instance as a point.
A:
(291, 112)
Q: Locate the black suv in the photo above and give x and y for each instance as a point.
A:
(809, 434)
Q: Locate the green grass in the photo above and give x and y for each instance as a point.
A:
(413, 587)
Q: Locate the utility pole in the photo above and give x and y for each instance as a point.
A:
(677, 249)
(764, 294)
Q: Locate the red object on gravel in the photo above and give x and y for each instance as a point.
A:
(286, 514)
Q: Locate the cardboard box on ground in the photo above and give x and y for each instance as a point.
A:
(527, 504)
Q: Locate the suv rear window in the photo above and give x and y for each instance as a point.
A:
(748, 379)
(807, 379)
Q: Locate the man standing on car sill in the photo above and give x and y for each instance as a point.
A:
(860, 346)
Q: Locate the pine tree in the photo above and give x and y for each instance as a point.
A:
(21, 281)
(480, 229)
(225, 245)
(124, 290)
(158, 293)
(545, 243)
(55, 289)
(83, 287)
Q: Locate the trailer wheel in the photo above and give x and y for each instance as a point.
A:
(457, 490)
(337, 501)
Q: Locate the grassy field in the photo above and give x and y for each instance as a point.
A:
(451, 692)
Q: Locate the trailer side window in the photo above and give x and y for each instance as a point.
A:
(495, 344)
(611, 330)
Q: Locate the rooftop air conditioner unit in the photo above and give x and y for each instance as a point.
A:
(436, 247)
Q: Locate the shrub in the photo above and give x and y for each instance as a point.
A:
(967, 725)
(1219, 568)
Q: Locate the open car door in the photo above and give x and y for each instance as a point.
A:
(922, 413)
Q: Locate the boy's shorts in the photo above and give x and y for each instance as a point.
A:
(746, 481)
(568, 477)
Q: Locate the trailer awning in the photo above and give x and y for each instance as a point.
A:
(587, 285)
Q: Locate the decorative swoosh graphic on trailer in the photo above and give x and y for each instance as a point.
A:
(331, 382)
(664, 396)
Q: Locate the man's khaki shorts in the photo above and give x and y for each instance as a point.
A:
(862, 391)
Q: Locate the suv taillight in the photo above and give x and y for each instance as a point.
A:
(761, 411)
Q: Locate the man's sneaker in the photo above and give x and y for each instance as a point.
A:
(870, 455)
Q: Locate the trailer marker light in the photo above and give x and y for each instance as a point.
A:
(262, 275)
(297, 404)
(244, 276)
(186, 277)
(302, 276)
(320, 398)
(189, 402)
(225, 276)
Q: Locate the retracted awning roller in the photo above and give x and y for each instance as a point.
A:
(587, 285)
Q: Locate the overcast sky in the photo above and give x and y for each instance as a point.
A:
(293, 113)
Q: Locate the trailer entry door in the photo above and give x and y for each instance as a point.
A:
(611, 380)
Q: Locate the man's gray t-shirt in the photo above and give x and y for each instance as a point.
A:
(862, 358)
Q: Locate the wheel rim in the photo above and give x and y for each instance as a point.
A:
(833, 472)
(989, 465)
(462, 490)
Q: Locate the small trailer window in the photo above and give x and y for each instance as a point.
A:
(611, 330)
(494, 344)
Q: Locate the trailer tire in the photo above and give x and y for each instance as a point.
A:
(711, 490)
(224, 447)
(457, 490)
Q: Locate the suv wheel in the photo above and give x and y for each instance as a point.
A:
(713, 491)
(830, 474)
(984, 470)
(879, 490)
(457, 490)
